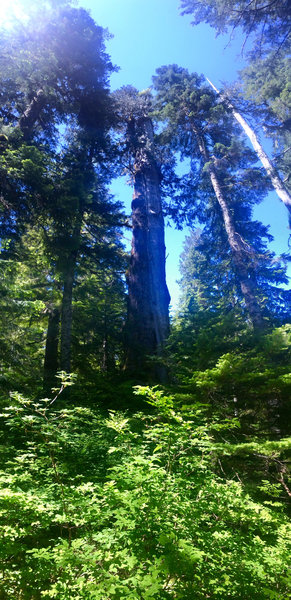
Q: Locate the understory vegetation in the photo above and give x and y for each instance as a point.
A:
(182, 493)
(142, 457)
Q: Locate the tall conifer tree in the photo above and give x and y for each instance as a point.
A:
(222, 169)
(148, 298)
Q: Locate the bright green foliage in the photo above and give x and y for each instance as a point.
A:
(187, 498)
(210, 321)
(31, 284)
(129, 506)
(60, 188)
(258, 378)
(233, 365)
(26, 293)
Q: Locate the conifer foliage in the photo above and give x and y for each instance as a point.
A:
(111, 490)
(56, 161)
(222, 179)
(147, 325)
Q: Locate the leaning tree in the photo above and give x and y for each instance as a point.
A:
(223, 177)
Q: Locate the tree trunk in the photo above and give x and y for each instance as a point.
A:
(277, 183)
(51, 359)
(68, 282)
(241, 252)
(107, 354)
(31, 114)
(148, 296)
(66, 323)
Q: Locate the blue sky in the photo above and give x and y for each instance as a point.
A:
(151, 33)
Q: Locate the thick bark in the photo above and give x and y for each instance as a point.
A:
(51, 359)
(66, 313)
(241, 252)
(148, 296)
(277, 183)
(31, 114)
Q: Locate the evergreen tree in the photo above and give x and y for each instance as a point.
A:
(84, 224)
(267, 87)
(54, 71)
(148, 298)
(266, 80)
(34, 299)
(55, 88)
(273, 174)
(268, 19)
(54, 67)
(210, 319)
(203, 130)
(29, 291)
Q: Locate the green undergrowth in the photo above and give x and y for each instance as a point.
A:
(114, 505)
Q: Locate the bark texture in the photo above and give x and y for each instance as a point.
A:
(148, 296)
(107, 352)
(51, 359)
(277, 182)
(241, 252)
(68, 283)
(66, 322)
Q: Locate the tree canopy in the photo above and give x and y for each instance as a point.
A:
(143, 456)
(268, 19)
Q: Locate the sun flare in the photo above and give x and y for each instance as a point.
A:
(10, 11)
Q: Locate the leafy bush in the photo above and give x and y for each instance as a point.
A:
(130, 507)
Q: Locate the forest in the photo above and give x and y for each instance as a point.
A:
(144, 453)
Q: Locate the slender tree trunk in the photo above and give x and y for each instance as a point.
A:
(107, 356)
(31, 114)
(148, 296)
(263, 157)
(66, 313)
(51, 359)
(66, 322)
(241, 252)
